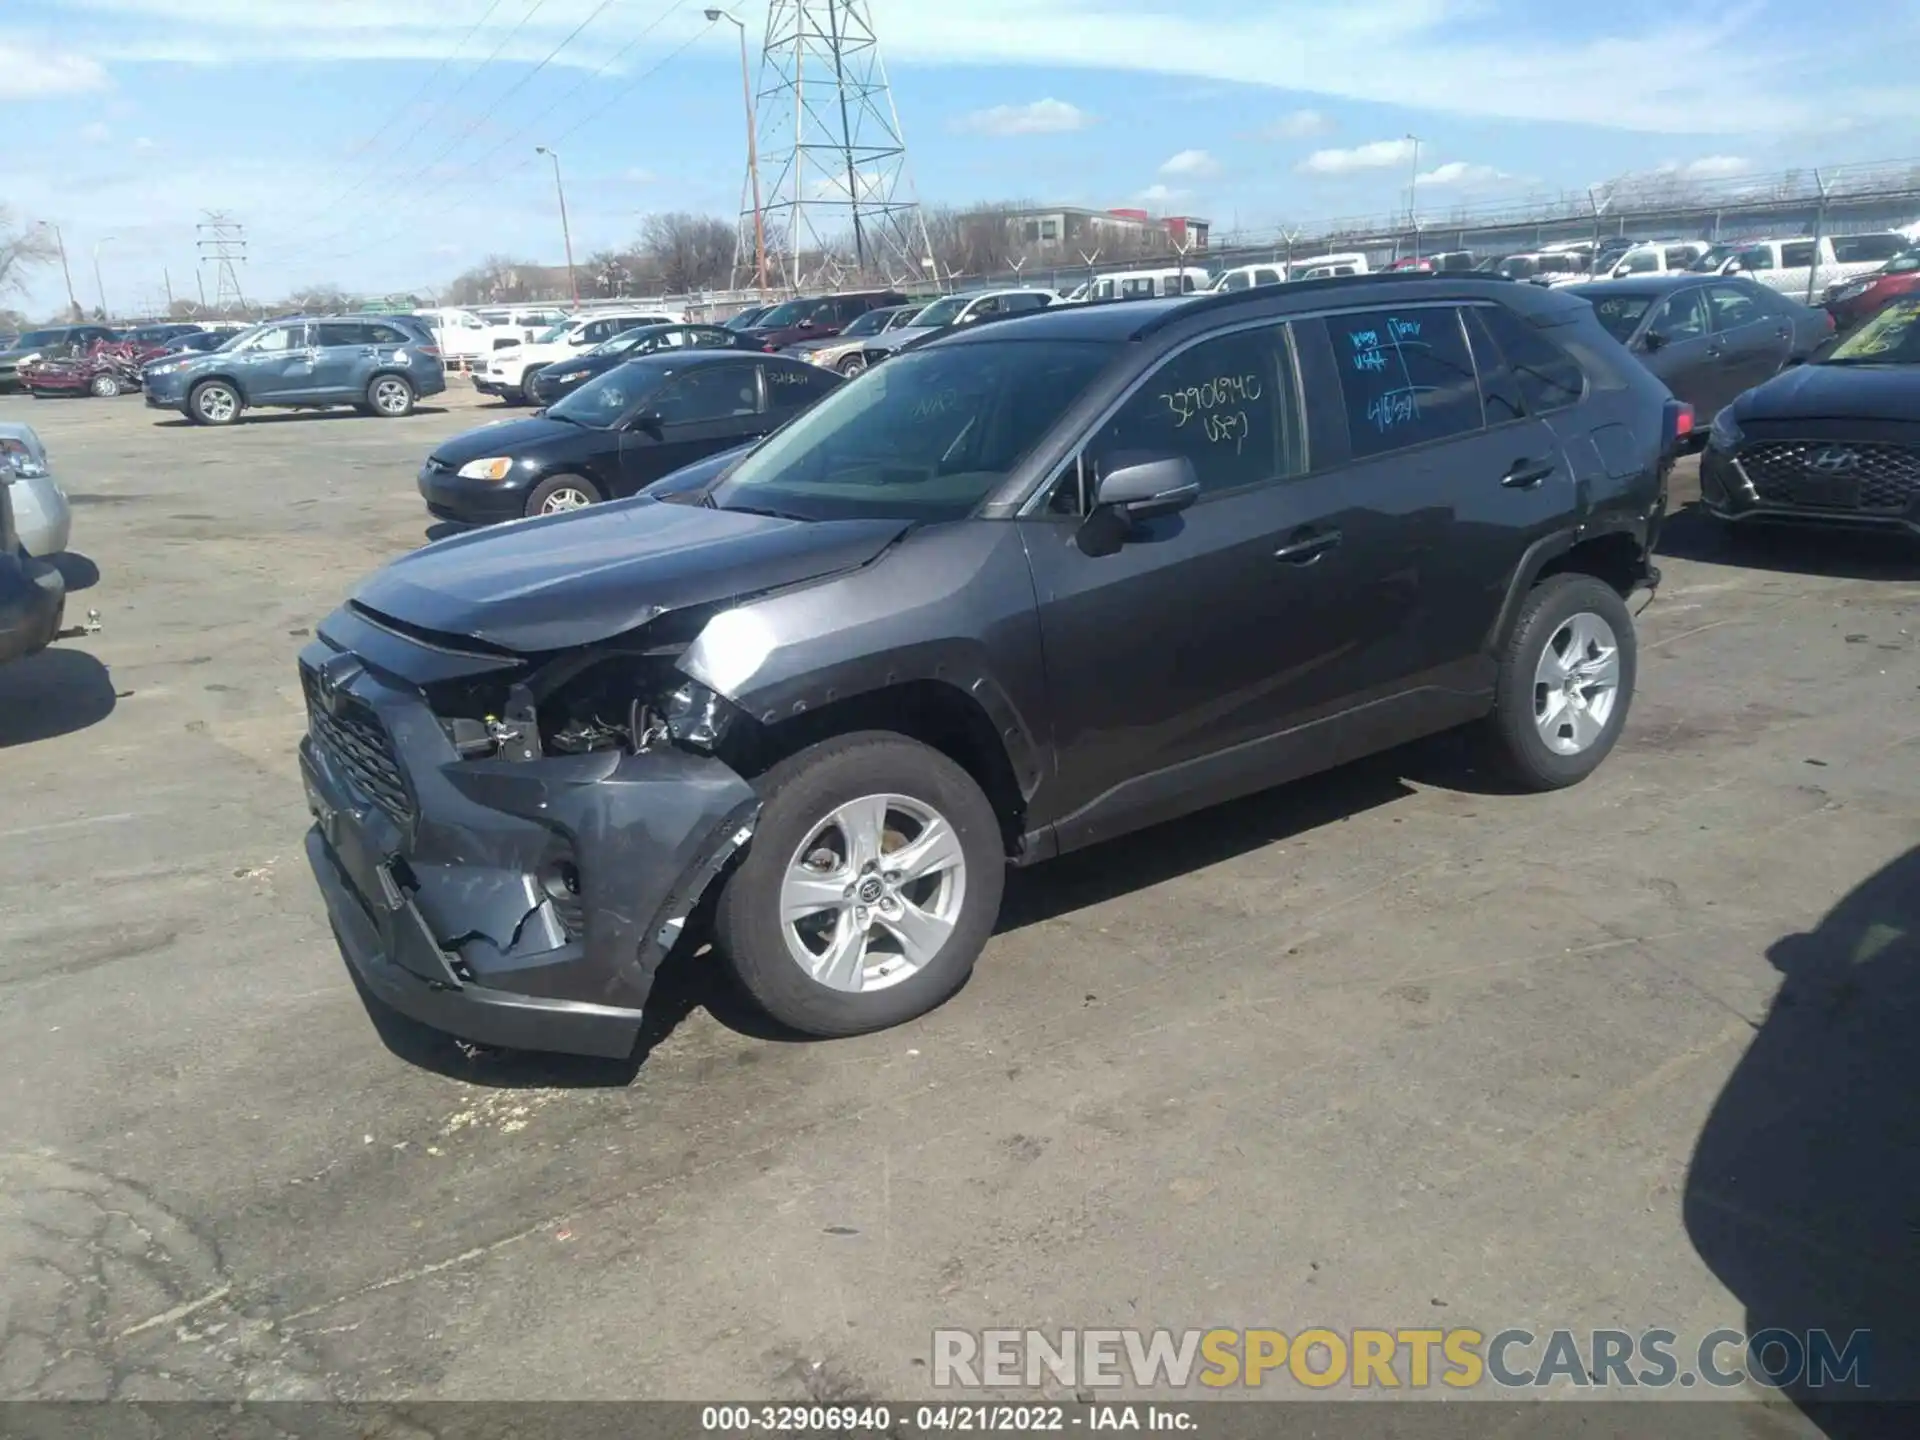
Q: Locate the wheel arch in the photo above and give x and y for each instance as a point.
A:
(1615, 554)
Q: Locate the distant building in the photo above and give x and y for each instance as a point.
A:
(1071, 229)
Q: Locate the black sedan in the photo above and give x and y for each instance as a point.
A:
(550, 382)
(1708, 337)
(618, 433)
(1834, 443)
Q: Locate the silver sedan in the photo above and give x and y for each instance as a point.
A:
(40, 510)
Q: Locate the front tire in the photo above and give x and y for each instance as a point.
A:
(390, 396)
(853, 365)
(213, 402)
(105, 386)
(1566, 682)
(872, 884)
(560, 493)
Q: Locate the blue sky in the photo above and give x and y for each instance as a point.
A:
(360, 148)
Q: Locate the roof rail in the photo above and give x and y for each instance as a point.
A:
(1225, 299)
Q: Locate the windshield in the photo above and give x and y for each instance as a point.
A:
(791, 313)
(601, 402)
(868, 324)
(625, 340)
(548, 336)
(1619, 315)
(745, 318)
(1891, 338)
(927, 436)
(942, 312)
(1517, 267)
(1716, 256)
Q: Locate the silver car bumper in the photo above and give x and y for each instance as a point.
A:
(40, 514)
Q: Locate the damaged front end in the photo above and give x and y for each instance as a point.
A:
(509, 845)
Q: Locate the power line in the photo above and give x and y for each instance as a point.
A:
(464, 174)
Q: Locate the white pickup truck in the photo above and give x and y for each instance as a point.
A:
(1801, 264)
(509, 366)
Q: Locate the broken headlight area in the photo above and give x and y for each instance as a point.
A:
(569, 708)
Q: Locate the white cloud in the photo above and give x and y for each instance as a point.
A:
(95, 132)
(145, 142)
(1042, 117)
(1459, 172)
(639, 175)
(1376, 155)
(1190, 162)
(1707, 167)
(1160, 195)
(27, 73)
(1300, 125)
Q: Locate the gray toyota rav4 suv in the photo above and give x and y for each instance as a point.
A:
(1018, 590)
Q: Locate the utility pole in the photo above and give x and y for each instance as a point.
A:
(1413, 197)
(166, 275)
(566, 235)
(60, 244)
(753, 155)
(99, 284)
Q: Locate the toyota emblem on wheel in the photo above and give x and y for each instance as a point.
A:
(1833, 461)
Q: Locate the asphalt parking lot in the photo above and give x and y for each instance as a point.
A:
(1386, 1048)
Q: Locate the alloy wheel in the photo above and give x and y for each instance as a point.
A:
(1576, 684)
(563, 499)
(218, 404)
(873, 893)
(390, 397)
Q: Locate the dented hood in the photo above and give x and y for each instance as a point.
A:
(574, 579)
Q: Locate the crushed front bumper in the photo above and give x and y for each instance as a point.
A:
(525, 905)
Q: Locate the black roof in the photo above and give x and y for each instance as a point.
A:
(697, 359)
(1134, 319)
(1649, 284)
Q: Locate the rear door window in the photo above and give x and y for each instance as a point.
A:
(1797, 255)
(1733, 306)
(1406, 376)
(708, 393)
(1679, 257)
(343, 332)
(1640, 262)
(1860, 249)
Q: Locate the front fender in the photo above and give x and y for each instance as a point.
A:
(951, 603)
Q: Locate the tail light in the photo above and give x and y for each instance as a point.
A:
(1679, 424)
(1827, 315)
(432, 352)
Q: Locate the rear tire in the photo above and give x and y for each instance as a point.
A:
(558, 494)
(390, 396)
(213, 402)
(1565, 684)
(790, 921)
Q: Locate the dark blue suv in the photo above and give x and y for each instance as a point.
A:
(379, 364)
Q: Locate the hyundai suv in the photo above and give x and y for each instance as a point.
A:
(1024, 587)
(379, 364)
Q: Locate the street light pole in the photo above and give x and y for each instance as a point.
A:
(1413, 196)
(98, 283)
(753, 157)
(566, 236)
(66, 272)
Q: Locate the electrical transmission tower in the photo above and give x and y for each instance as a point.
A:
(840, 199)
(222, 243)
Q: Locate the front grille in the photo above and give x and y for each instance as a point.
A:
(1827, 474)
(357, 741)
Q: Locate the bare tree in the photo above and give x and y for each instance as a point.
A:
(689, 252)
(22, 251)
(321, 299)
(496, 278)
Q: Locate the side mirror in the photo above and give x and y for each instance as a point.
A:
(1652, 340)
(1619, 272)
(1732, 267)
(650, 422)
(1140, 487)
(806, 324)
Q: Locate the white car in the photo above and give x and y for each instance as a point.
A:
(948, 311)
(1658, 257)
(1802, 264)
(1547, 267)
(509, 367)
(40, 513)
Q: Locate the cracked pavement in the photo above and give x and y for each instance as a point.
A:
(1374, 1049)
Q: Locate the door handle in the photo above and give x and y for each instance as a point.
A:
(1526, 474)
(1308, 546)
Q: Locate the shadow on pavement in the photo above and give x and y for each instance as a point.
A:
(1803, 1196)
(1693, 534)
(56, 692)
(77, 570)
(288, 417)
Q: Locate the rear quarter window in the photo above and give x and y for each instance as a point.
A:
(1548, 378)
